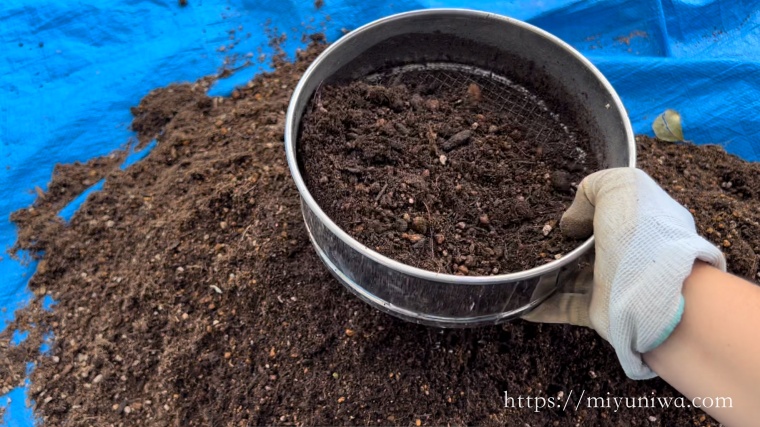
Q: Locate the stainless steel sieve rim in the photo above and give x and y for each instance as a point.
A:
(291, 129)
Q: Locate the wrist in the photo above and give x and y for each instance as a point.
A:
(646, 302)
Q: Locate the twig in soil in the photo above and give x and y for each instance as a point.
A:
(318, 93)
(551, 211)
(430, 222)
(519, 242)
(380, 194)
(355, 171)
(242, 236)
(317, 98)
(431, 137)
(522, 153)
(226, 72)
(249, 189)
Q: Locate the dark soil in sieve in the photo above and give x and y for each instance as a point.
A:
(188, 294)
(437, 170)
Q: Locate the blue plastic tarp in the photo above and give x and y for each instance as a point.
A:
(69, 71)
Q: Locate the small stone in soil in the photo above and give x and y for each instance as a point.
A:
(561, 181)
(420, 224)
(414, 238)
(459, 139)
(523, 210)
(474, 94)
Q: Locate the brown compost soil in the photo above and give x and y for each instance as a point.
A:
(188, 293)
(437, 178)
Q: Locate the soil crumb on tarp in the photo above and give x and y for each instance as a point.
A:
(188, 295)
(439, 179)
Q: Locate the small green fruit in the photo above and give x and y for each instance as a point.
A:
(667, 126)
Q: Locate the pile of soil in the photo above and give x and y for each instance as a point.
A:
(436, 177)
(188, 294)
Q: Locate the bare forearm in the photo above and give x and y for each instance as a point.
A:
(715, 350)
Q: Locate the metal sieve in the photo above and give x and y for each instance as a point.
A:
(509, 60)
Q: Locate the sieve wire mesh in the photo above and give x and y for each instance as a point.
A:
(498, 94)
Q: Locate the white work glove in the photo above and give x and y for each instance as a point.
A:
(646, 245)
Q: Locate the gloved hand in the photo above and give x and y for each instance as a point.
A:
(646, 245)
